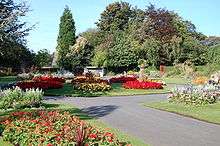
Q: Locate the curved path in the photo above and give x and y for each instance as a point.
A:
(157, 128)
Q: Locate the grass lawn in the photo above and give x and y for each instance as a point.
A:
(209, 113)
(8, 79)
(117, 90)
(94, 122)
(176, 80)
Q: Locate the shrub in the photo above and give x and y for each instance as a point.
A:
(94, 87)
(39, 84)
(142, 85)
(53, 128)
(15, 98)
(194, 95)
(122, 79)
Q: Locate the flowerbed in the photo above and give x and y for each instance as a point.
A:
(142, 85)
(122, 79)
(15, 98)
(200, 80)
(94, 87)
(53, 128)
(194, 95)
(85, 79)
(48, 79)
(39, 84)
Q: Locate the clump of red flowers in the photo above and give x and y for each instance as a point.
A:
(142, 85)
(39, 84)
(48, 78)
(42, 82)
(53, 128)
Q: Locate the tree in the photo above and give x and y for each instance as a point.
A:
(43, 58)
(122, 56)
(80, 54)
(13, 52)
(66, 38)
(115, 17)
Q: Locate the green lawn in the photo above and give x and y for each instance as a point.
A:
(176, 80)
(117, 90)
(8, 79)
(209, 113)
(94, 122)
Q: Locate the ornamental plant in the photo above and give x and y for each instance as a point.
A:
(51, 128)
(122, 79)
(39, 84)
(16, 98)
(93, 87)
(142, 85)
(195, 95)
(48, 78)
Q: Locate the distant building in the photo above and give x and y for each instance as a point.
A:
(98, 71)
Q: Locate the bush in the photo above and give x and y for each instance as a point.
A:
(194, 95)
(41, 85)
(93, 87)
(15, 98)
(122, 79)
(142, 85)
(54, 128)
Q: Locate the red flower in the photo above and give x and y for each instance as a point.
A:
(93, 136)
(142, 85)
(49, 144)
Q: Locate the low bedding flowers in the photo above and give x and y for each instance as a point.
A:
(39, 84)
(194, 95)
(93, 87)
(54, 128)
(48, 79)
(142, 85)
(15, 98)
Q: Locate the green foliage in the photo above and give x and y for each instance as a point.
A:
(122, 55)
(43, 58)
(213, 56)
(80, 54)
(16, 98)
(100, 59)
(115, 17)
(66, 38)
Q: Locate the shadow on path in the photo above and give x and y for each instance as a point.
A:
(99, 111)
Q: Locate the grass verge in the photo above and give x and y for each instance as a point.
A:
(83, 116)
(8, 79)
(208, 113)
(117, 90)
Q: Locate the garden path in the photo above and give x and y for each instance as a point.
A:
(157, 128)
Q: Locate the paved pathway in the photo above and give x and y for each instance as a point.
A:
(157, 128)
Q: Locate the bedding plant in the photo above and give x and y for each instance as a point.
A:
(52, 128)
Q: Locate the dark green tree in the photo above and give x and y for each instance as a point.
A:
(66, 38)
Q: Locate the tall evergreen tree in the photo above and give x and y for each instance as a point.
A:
(66, 38)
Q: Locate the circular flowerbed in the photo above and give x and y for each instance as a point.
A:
(53, 128)
(42, 82)
(90, 84)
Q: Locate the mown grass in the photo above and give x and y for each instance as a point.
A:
(8, 79)
(83, 116)
(209, 113)
(117, 90)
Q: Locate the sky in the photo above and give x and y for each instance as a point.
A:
(46, 14)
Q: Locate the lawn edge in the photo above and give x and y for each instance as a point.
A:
(181, 114)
